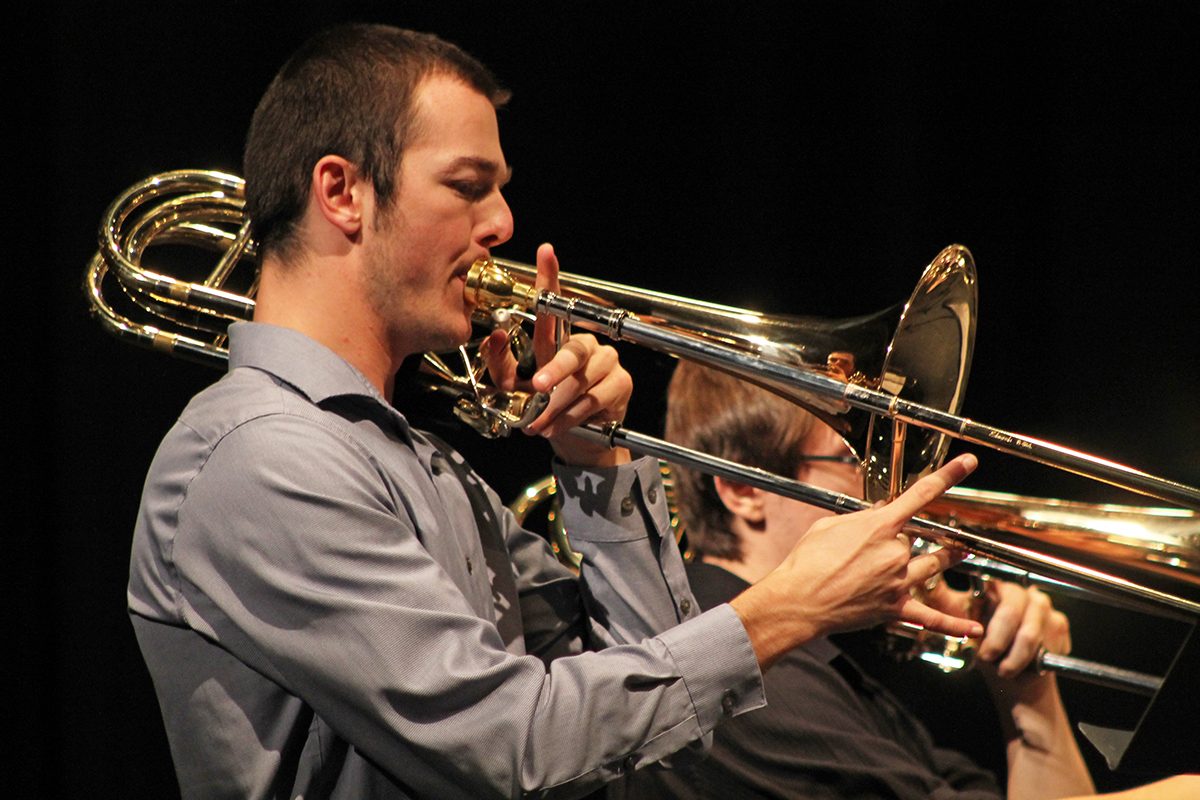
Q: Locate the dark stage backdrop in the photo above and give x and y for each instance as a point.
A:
(808, 161)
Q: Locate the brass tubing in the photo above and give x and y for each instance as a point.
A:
(620, 325)
(1121, 590)
(1099, 674)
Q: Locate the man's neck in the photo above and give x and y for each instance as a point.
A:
(326, 307)
(749, 571)
(762, 549)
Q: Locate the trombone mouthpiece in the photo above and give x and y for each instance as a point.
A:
(489, 286)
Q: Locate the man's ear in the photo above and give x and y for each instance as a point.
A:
(742, 500)
(338, 192)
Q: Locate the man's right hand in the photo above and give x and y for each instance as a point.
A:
(853, 571)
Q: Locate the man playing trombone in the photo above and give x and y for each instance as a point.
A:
(330, 603)
(830, 730)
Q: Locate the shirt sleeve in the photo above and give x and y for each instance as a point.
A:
(617, 520)
(324, 587)
(631, 583)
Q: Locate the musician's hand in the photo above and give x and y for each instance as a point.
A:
(1018, 624)
(584, 379)
(1042, 754)
(853, 571)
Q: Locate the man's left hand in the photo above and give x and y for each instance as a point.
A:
(584, 379)
(1018, 624)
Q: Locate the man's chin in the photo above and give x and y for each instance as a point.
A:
(452, 338)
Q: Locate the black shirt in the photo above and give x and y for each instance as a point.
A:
(828, 731)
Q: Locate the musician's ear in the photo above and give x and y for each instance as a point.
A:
(338, 194)
(741, 500)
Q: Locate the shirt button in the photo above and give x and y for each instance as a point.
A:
(437, 465)
(685, 605)
(728, 701)
(653, 494)
(626, 506)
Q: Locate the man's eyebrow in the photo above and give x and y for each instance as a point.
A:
(484, 165)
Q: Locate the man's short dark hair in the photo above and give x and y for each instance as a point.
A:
(348, 91)
(721, 415)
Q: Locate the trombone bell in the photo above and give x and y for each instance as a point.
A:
(1153, 547)
(920, 350)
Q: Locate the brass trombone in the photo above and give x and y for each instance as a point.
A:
(897, 410)
(939, 318)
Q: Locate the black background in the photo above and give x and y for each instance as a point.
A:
(806, 160)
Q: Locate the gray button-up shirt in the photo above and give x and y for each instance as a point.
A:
(331, 604)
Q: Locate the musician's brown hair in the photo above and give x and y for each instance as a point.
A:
(710, 411)
(348, 91)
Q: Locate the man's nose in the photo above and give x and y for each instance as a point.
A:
(496, 224)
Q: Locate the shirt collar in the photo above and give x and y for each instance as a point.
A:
(312, 368)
